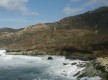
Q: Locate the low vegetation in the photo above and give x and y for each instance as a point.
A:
(83, 35)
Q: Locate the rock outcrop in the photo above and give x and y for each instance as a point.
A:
(50, 58)
(102, 64)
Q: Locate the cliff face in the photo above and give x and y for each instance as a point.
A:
(83, 33)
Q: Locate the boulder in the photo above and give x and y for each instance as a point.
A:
(102, 64)
(49, 58)
(65, 64)
(74, 63)
(81, 65)
(76, 74)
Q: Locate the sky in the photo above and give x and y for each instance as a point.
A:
(22, 13)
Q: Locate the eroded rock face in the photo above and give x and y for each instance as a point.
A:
(102, 63)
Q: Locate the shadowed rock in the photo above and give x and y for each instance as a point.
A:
(50, 58)
(73, 63)
(65, 64)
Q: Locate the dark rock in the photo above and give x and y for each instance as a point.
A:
(90, 70)
(65, 64)
(99, 67)
(81, 65)
(73, 63)
(49, 58)
(76, 74)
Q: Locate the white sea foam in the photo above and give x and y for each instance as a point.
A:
(18, 64)
(2, 52)
(91, 78)
(27, 57)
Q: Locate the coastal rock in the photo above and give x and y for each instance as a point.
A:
(65, 64)
(73, 63)
(93, 69)
(81, 65)
(102, 64)
(76, 74)
(49, 58)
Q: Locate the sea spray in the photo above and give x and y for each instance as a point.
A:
(20, 67)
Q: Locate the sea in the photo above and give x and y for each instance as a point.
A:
(22, 67)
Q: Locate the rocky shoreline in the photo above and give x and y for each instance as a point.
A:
(98, 67)
(102, 64)
(71, 57)
(93, 66)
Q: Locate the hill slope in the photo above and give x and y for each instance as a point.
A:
(84, 33)
(97, 19)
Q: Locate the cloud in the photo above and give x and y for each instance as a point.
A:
(68, 10)
(18, 6)
(93, 2)
(86, 4)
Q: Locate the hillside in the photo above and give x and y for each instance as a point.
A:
(74, 35)
(94, 20)
(7, 30)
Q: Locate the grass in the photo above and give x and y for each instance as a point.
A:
(58, 42)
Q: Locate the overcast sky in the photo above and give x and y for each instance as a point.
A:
(20, 13)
